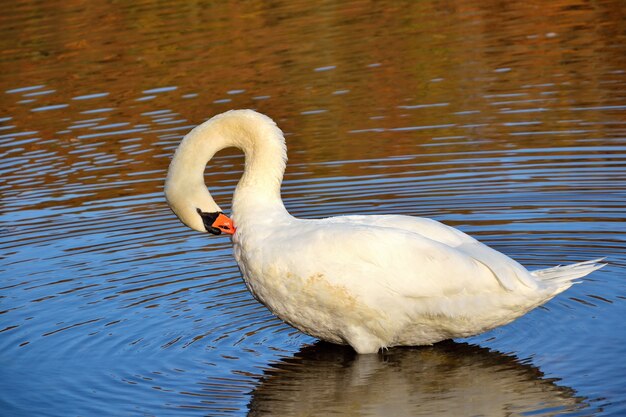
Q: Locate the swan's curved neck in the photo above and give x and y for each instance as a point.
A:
(265, 158)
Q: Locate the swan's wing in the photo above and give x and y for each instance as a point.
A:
(508, 272)
(373, 260)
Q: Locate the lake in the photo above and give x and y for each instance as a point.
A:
(506, 120)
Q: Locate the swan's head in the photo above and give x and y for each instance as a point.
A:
(197, 210)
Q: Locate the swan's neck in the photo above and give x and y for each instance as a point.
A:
(258, 191)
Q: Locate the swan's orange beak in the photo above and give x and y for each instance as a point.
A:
(225, 224)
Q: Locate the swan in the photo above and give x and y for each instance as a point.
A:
(369, 281)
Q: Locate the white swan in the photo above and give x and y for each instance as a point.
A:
(368, 281)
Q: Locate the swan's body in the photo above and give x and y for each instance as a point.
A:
(368, 281)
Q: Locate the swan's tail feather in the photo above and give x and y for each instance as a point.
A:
(564, 276)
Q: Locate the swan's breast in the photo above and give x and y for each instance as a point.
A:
(309, 300)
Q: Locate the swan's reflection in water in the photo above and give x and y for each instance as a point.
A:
(448, 379)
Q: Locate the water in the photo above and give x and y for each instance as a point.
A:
(504, 120)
